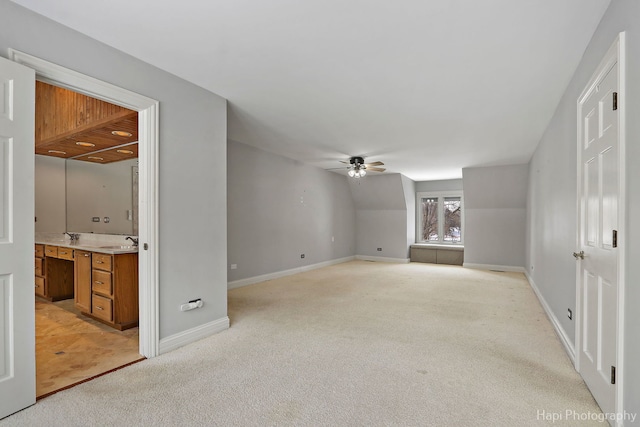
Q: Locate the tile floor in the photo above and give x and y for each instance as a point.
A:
(72, 348)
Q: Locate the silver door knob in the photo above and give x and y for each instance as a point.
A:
(578, 255)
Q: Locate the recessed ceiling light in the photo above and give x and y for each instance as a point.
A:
(85, 144)
(125, 151)
(95, 158)
(121, 133)
(57, 152)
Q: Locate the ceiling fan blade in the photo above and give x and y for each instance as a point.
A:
(374, 164)
(342, 161)
(375, 169)
(335, 169)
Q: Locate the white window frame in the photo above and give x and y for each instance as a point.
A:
(440, 195)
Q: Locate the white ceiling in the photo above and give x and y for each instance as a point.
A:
(428, 87)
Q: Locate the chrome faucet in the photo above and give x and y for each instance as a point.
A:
(74, 237)
(134, 240)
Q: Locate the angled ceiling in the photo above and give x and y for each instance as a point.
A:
(428, 87)
(70, 125)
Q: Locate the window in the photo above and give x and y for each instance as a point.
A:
(439, 217)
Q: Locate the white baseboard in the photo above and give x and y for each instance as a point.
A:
(270, 276)
(564, 338)
(382, 259)
(192, 335)
(511, 268)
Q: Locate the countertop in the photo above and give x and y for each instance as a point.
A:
(102, 247)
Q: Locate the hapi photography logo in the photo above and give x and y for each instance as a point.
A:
(573, 415)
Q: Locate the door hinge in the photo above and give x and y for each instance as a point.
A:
(615, 101)
(613, 375)
(614, 240)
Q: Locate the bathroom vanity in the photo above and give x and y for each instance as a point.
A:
(102, 280)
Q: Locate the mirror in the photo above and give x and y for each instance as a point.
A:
(102, 198)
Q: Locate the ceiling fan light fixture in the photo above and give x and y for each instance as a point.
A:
(125, 151)
(57, 152)
(85, 144)
(95, 158)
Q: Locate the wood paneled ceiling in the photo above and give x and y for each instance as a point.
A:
(72, 125)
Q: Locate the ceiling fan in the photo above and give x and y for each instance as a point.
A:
(358, 168)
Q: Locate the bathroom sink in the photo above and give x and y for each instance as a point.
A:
(119, 247)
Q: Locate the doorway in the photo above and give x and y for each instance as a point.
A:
(86, 164)
(147, 109)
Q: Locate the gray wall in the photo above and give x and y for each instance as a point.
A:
(50, 199)
(409, 188)
(552, 193)
(381, 216)
(495, 215)
(279, 208)
(441, 185)
(192, 167)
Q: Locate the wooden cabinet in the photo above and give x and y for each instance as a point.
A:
(53, 272)
(82, 280)
(114, 289)
(40, 282)
(103, 286)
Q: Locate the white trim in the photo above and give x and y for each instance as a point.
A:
(616, 53)
(562, 334)
(270, 276)
(148, 122)
(510, 268)
(439, 195)
(622, 215)
(192, 335)
(383, 259)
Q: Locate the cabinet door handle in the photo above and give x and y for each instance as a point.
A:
(99, 262)
(99, 308)
(63, 253)
(86, 255)
(97, 282)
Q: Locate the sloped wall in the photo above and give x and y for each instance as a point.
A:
(382, 216)
(279, 208)
(495, 216)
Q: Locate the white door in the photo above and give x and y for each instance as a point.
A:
(17, 317)
(598, 270)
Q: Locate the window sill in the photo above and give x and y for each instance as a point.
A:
(441, 246)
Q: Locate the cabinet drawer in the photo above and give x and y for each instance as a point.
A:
(51, 251)
(65, 253)
(40, 251)
(101, 282)
(102, 307)
(39, 283)
(101, 261)
(39, 265)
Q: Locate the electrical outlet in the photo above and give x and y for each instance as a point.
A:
(569, 314)
(379, 249)
(301, 255)
(234, 266)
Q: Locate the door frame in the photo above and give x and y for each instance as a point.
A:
(616, 53)
(148, 142)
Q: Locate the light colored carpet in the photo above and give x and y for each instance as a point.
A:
(360, 343)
